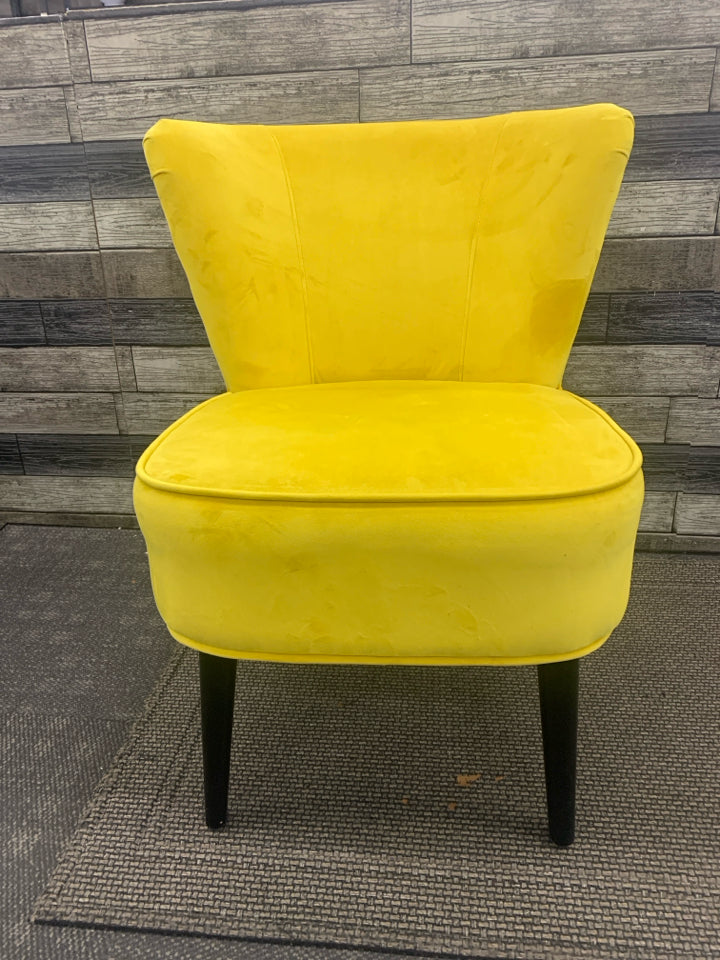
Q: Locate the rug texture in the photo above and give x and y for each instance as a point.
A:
(402, 808)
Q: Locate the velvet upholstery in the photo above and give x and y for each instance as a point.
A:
(395, 474)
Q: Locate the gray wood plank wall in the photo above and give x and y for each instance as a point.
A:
(101, 346)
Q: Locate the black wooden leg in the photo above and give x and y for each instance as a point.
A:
(558, 684)
(217, 698)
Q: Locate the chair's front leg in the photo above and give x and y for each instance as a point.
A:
(217, 698)
(558, 684)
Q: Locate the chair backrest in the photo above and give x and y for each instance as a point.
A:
(441, 249)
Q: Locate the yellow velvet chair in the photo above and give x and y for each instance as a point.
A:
(395, 474)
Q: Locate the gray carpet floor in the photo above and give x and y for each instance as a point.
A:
(77, 603)
(82, 648)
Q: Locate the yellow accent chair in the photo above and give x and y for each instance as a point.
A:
(395, 474)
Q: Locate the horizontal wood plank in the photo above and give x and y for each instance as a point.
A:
(144, 274)
(644, 418)
(675, 147)
(47, 226)
(664, 318)
(647, 83)
(665, 465)
(593, 325)
(49, 276)
(33, 115)
(697, 514)
(270, 39)
(21, 324)
(70, 455)
(118, 169)
(177, 370)
(660, 263)
(694, 420)
(703, 471)
(120, 111)
(76, 323)
(33, 55)
(157, 323)
(639, 370)
(78, 369)
(673, 208)
(74, 494)
(665, 209)
(488, 29)
(132, 223)
(58, 413)
(142, 322)
(657, 512)
(151, 413)
(10, 462)
(43, 172)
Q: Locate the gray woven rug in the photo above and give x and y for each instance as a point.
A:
(403, 807)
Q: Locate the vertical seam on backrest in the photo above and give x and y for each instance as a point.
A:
(301, 259)
(473, 254)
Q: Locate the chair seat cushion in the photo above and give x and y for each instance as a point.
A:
(392, 440)
(392, 521)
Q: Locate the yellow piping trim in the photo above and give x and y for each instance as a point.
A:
(187, 490)
(388, 661)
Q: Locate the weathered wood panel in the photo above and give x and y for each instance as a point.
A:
(638, 371)
(48, 276)
(665, 209)
(133, 223)
(665, 465)
(157, 323)
(55, 455)
(10, 462)
(675, 208)
(693, 420)
(488, 29)
(120, 111)
(644, 418)
(672, 208)
(45, 172)
(698, 514)
(33, 115)
(703, 472)
(76, 323)
(671, 148)
(647, 83)
(21, 324)
(73, 494)
(33, 55)
(144, 274)
(47, 226)
(141, 322)
(58, 413)
(270, 39)
(593, 325)
(660, 263)
(118, 169)
(151, 413)
(177, 370)
(657, 512)
(664, 318)
(78, 369)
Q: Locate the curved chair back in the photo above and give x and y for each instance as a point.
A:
(441, 249)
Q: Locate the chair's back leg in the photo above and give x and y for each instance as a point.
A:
(558, 683)
(217, 698)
